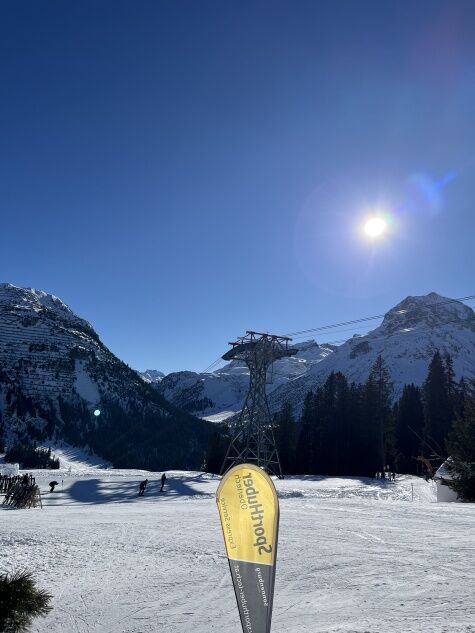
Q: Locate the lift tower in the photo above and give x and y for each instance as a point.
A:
(252, 437)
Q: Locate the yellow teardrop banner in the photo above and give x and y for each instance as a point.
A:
(249, 513)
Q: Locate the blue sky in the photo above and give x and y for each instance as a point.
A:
(180, 171)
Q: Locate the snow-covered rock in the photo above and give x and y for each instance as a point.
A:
(407, 338)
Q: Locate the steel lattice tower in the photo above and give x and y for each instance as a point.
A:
(252, 436)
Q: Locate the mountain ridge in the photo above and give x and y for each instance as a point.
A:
(409, 335)
(55, 371)
(421, 325)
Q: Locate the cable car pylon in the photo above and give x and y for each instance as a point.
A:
(252, 435)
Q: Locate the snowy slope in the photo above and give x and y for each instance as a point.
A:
(407, 338)
(220, 393)
(355, 556)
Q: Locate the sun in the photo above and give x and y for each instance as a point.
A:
(375, 227)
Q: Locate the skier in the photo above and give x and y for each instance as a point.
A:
(52, 485)
(142, 486)
(164, 478)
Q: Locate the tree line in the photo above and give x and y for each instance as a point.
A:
(352, 429)
(28, 455)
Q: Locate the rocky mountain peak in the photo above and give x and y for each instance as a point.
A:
(432, 310)
(152, 375)
(33, 305)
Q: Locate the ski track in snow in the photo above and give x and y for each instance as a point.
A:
(355, 556)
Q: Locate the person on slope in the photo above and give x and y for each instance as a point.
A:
(164, 478)
(142, 486)
(52, 485)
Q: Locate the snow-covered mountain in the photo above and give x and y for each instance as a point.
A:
(213, 395)
(407, 338)
(55, 371)
(152, 375)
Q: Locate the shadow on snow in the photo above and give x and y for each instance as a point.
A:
(97, 491)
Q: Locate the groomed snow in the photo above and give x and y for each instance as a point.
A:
(354, 555)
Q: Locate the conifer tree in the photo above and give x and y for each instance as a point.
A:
(332, 426)
(461, 447)
(451, 384)
(306, 441)
(463, 396)
(20, 602)
(320, 439)
(216, 452)
(358, 432)
(341, 432)
(409, 422)
(377, 404)
(285, 431)
(438, 406)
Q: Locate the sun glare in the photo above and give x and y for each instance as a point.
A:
(375, 227)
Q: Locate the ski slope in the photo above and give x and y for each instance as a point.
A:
(354, 555)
